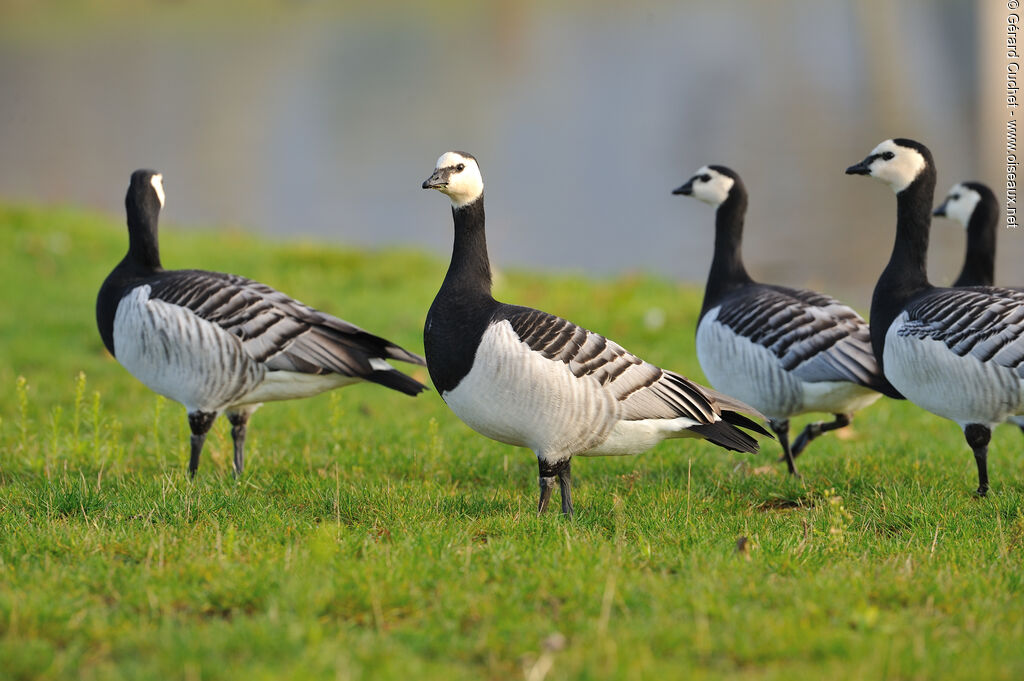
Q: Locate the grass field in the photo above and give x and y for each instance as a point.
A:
(375, 536)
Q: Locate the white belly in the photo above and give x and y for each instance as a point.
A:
(632, 437)
(962, 389)
(837, 397)
(290, 385)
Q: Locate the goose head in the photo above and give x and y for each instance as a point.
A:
(960, 203)
(897, 162)
(457, 175)
(710, 184)
(145, 193)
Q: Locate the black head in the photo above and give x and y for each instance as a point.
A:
(145, 194)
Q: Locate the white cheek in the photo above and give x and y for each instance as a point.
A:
(704, 192)
(955, 211)
(888, 173)
(465, 190)
(899, 172)
(962, 209)
(714, 192)
(158, 186)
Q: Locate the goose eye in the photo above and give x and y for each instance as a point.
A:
(954, 197)
(704, 178)
(888, 155)
(460, 167)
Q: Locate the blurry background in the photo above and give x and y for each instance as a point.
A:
(318, 119)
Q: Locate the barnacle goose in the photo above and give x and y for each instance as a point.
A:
(957, 352)
(785, 351)
(530, 379)
(976, 208)
(222, 343)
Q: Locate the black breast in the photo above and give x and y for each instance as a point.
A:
(451, 336)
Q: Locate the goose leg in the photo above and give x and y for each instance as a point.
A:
(547, 485)
(978, 436)
(565, 488)
(239, 421)
(200, 423)
(550, 475)
(781, 429)
(813, 430)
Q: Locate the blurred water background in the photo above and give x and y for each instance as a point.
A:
(321, 119)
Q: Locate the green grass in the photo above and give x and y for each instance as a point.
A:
(375, 536)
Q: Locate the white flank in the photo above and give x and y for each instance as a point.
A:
(746, 370)
(752, 373)
(181, 356)
(963, 389)
(514, 395)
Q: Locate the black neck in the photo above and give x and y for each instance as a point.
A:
(727, 270)
(469, 273)
(906, 275)
(980, 262)
(141, 261)
(463, 308)
(143, 240)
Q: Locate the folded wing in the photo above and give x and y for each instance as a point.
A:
(282, 333)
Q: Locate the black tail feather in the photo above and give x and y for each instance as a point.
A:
(742, 421)
(726, 435)
(396, 380)
(376, 346)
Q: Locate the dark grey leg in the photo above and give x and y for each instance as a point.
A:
(549, 475)
(813, 430)
(547, 484)
(200, 423)
(781, 429)
(239, 420)
(565, 488)
(978, 437)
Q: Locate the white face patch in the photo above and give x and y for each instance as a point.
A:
(711, 186)
(158, 186)
(960, 203)
(463, 186)
(901, 169)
